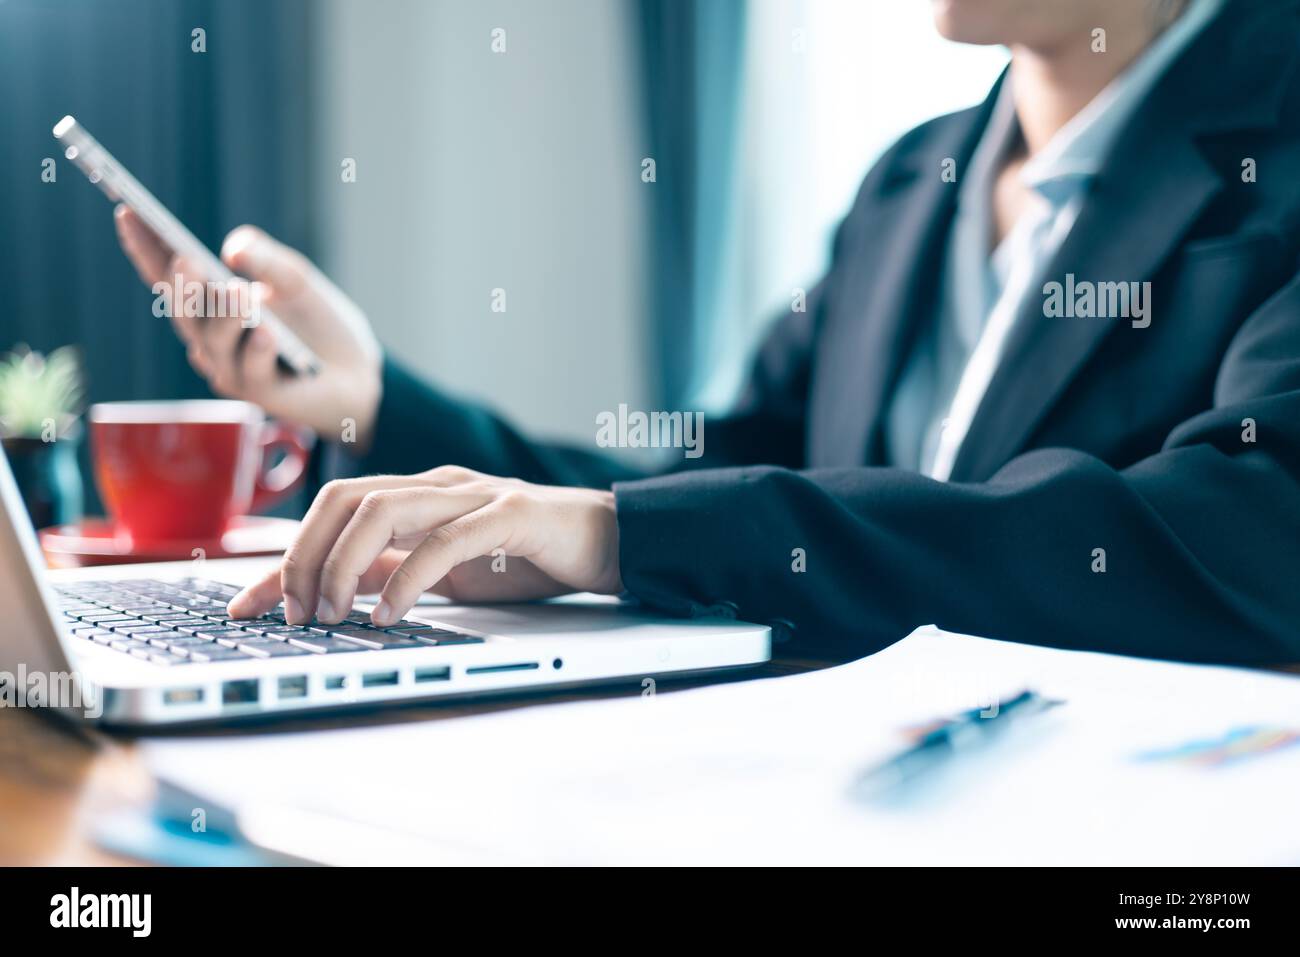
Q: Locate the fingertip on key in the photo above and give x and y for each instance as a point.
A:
(325, 611)
(382, 615)
(293, 612)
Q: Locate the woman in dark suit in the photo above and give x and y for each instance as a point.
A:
(1048, 390)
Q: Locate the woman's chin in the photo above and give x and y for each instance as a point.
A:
(955, 21)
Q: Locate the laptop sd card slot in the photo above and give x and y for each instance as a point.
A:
(497, 669)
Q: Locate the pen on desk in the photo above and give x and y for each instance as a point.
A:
(968, 732)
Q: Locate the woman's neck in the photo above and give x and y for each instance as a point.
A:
(1051, 86)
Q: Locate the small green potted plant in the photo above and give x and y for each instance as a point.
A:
(40, 406)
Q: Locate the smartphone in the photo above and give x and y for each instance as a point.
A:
(121, 187)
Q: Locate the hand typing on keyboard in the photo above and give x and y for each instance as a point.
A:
(444, 530)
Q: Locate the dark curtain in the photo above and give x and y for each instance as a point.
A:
(692, 54)
(220, 137)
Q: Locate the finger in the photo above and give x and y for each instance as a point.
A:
(256, 369)
(329, 514)
(447, 475)
(258, 598)
(146, 251)
(185, 317)
(222, 339)
(380, 518)
(265, 593)
(252, 252)
(470, 536)
(219, 341)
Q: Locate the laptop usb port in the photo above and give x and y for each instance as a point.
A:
(424, 675)
(377, 679)
(293, 686)
(244, 691)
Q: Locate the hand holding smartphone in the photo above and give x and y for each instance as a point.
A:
(294, 356)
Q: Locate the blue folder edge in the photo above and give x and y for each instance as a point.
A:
(150, 835)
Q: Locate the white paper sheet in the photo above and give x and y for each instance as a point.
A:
(760, 772)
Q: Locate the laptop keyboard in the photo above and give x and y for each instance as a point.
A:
(185, 622)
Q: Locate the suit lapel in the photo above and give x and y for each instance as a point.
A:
(877, 308)
(1128, 227)
(1134, 219)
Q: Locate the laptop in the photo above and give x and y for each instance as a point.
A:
(119, 646)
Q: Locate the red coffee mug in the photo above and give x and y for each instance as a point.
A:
(180, 471)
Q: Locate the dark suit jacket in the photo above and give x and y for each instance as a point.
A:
(1093, 434)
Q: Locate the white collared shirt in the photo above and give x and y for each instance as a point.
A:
(949, 369)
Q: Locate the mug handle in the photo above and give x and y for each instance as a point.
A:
(274, 484)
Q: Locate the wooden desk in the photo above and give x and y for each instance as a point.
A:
(55, 778)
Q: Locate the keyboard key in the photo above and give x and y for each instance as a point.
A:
(264, 628)
(416, 628)
(205, 586)
(267, 648)
(176, 640)
(437, 636)
(196, 604)
(216, 653)
(128, 644)
(374, 640)
(384, 642)
(193, 649)
(347, 630)
(214, 632)
(444, 640)
(232, 639)
(277, 631)
(170, 637)
(140, 628)
(165, 659)
(324, 645)
(192, 625)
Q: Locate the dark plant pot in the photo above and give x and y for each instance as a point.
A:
(48, 479)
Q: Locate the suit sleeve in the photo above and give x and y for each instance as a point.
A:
(1199, 543)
